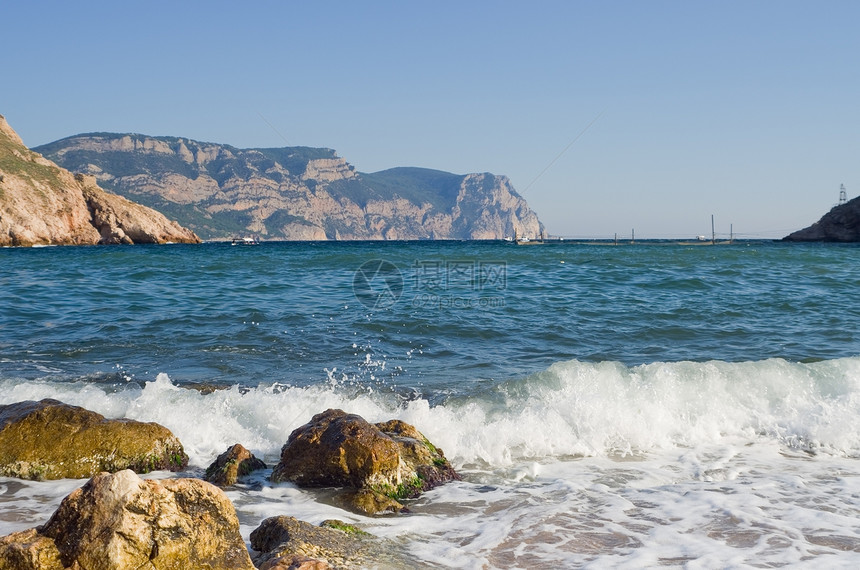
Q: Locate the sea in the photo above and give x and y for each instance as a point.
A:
(657, 404)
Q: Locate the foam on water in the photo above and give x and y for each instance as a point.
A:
(676, 464)
(571, 409)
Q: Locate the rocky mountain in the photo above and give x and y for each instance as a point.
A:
(41, 203)
(294, 193)
(840, 224)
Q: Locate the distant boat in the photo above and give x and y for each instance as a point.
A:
(525, 240)
(245, 241)
(528, 241)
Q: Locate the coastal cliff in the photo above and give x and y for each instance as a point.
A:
(43, 204)
(294, 193)
(840, 224)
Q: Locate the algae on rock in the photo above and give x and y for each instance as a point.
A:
(52, 440)
(381, 464)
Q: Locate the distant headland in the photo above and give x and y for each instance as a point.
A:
(840, 224)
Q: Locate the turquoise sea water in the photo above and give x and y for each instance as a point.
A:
(648, 404)
(468, 312)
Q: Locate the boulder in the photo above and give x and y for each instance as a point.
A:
(52, 440)
(232, 464)
(336, 449)
(121, 521)
(282, 541)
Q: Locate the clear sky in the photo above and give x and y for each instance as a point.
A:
(748, 110)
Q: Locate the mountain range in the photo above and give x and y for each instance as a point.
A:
(293, 193)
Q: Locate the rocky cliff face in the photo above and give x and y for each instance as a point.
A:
(41, 203)
(840, 224)
(295, 193)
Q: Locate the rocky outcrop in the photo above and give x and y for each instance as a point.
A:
(380, 464)
(121, 521)
(52, 440)
(232, 464)
(41, 203)
(295, 193)
(840, 224)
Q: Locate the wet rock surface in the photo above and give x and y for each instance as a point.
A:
(52, 440)
(379, 464)
(229, 466)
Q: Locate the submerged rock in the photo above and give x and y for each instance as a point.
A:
(52, 440)
(232, 464)
(121, 521)
(385, 462)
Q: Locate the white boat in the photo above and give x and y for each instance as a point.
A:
(245, 241)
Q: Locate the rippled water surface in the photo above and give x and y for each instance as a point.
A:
(648, 405)
(287, 312)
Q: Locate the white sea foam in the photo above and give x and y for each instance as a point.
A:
(700, 465)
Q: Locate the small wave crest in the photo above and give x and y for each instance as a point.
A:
(586, 409)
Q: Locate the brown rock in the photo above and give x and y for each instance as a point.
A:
(53, 440)
(344, 450)
(338, 449)
(121, 521)
(232, 464)
(280, 539)
(41, 203)
(29, 550)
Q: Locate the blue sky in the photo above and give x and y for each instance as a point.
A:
(749, 111)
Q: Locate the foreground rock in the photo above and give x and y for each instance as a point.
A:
(121, 521)
(840, 224)
(41, 203)
(52, 440)
(29, 550)
(286, 542)
(381, 464)
(295, 193)
(232, 464)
